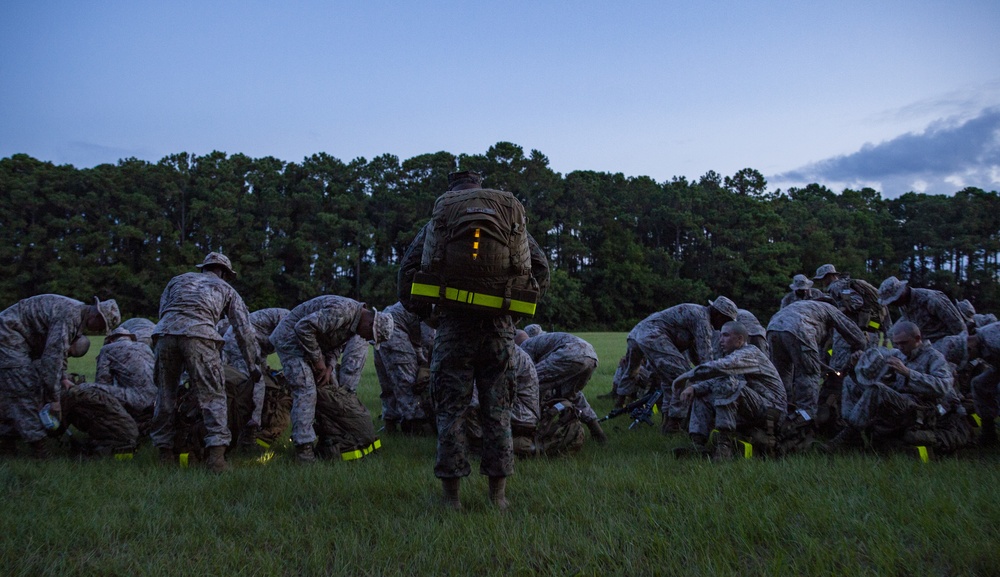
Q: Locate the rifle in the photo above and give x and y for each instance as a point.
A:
(641, 409)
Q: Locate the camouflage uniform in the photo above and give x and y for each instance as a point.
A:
(397, 362)
(38, 329)
(564, 364)
(263, 322)
(352, 362)
(934, 313)
(811, 294)
(524, 411)
(796, 335)
(186, 339)
(663, 338)
(986, 386)
(141, 328)
(316, 329)
(125, 371)
(735, 390)
(890, 403)
(109, 427)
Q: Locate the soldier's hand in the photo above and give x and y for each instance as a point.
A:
(687, 394)
(897, 365)
(323, 378)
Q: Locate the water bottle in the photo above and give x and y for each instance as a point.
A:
(49, 421)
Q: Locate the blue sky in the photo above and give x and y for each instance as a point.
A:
(895, 95)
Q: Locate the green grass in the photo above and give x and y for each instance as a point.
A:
(627, 508)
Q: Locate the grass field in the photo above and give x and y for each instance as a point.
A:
(627, 508)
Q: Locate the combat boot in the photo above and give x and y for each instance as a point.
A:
(920, 438)
(671, 425)
(597, 433)
(846, 438)
(216, 461)
(498, 489)
(167, 456)
(450, 488)
(304, 453)
(724, 450)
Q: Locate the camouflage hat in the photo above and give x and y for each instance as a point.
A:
(109, 312)
(872, 366)
(217, 259)
(382, 327)
(725, 306)
(119, 333)
(533, 330)
(981, 320)
(892, 288)
(465, 176)
(965, 307)
(824, 270)
(800, 283)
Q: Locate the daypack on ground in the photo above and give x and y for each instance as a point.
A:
(476, 254)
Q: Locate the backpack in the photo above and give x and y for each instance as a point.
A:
(873, 315)
(476, 254)
(559, 429)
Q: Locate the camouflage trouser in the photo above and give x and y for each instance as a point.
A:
(108, 426)
(799, 369)
(877, 405)
(728, 404)
(343, 423)
(668, 363)
(20, 401)
(240, 391)
(203, 362)
(301, 382)
(985, 389)
(471, 349)
(565, 377)
(397, 375)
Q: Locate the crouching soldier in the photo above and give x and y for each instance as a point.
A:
(903, 395)
(738, 390)
(307, 342)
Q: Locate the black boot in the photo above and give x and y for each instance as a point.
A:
(988, 437)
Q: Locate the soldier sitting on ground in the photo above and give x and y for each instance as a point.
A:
(736, 391)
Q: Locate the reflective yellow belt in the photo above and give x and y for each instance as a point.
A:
(472, 298)
(353, 455)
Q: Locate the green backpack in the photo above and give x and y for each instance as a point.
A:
(476, 254)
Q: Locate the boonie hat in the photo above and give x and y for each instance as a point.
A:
(800, 283)
(872, 366)
(892, 288)
(825, 270)
(119, 333)
(109, 312)
(218, 259)
(725, 306)
(533, 330)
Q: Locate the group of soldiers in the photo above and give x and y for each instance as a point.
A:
(828, 362)
(452, 363)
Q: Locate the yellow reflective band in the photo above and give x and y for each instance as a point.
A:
(123, 456)
(747, 449)
(924, 456)
(183, 459)
(263, 443)
(475, 245)
(977, 419)
(351, 455)
(477, 233)
(874, 325)
(656, 410)
(830, 352)
(471, 298)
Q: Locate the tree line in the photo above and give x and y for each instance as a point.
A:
(619, 247)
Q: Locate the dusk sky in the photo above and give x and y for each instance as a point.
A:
(895, 95)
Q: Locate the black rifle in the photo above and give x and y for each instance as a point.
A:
(641, 409)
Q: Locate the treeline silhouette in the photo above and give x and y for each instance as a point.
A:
(620, 247)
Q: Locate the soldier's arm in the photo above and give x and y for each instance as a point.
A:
(53, 361)
(246, 336)
(936, 382)
(950, 316)
(408, 267)
(539, 266)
